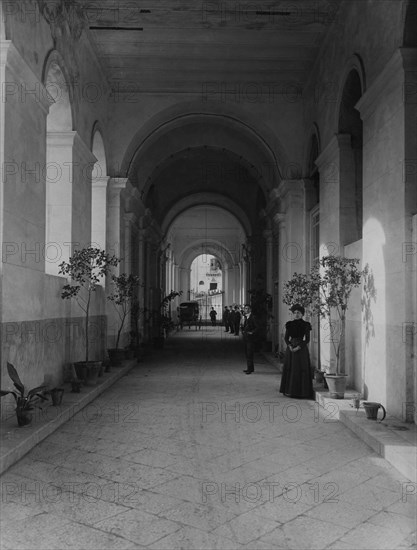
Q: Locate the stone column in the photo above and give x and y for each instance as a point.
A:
(129, 220)
(268, 238)
(59, 198)
(114, 217)
(83, 164)
(293, 239)
(99, 211)
(236, 295)
(142, 276)
(283, 275)
(336, 165)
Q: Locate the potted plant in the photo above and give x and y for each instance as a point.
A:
(326, 292)
(86, 267)
(56, 396)
(162, 320)
(75, 381)
(123, 297)
(25, 402)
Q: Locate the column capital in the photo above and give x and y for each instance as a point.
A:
(28, 80)
(267, 235)
(83, 152)
(291, 192)
(118, 183)
(72, 139)
(331, 152)
(101, 181)
(279, 219)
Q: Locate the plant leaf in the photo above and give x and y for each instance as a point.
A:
(34, 391)
(15, 378)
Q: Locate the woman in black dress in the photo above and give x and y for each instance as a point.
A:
(296, 378)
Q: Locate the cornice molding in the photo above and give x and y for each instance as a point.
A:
(29, 83)
(392, 76)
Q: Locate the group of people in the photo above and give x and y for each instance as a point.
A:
(297, 375)
(232, 316)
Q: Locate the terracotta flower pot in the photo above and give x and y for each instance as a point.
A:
(88, 372)
(116, 356)
(337, 385)
(56, 396)
(24, 417)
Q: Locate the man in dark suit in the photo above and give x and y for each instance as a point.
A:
(236, 320)
(226, 319)
(249, 331)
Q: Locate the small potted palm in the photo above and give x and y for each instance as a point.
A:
(123, 297)
(85, 269)
(25, 402)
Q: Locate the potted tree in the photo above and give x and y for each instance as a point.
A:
(123, 297)
(85, 268)
(326, 292)
(25, 402)
(162, 319)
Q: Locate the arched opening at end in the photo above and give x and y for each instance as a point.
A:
(206, 286)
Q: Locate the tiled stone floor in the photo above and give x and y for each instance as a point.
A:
(188, 452)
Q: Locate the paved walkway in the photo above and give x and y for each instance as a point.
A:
(188, 452)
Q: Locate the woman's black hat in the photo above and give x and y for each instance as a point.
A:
(298, 307)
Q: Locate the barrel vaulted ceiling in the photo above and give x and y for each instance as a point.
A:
(185, 46)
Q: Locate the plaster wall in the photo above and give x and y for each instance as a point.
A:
(41, 333)
(383, 236)
(354, 315)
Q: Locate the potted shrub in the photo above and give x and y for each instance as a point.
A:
(123, 297)
(25, 402)
(85, 268)
(162, 319)
(326, 292)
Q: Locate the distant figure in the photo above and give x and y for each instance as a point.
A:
(213, 314)
(226, 314)
(296, 376)
(249, 331)
(236, 320)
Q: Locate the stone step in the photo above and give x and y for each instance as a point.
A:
(392, 439)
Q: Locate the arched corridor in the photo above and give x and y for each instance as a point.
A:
(186, 452)
(274, 140)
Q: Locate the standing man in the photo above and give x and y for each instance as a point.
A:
(213, 314)
(249, 330)
(236, 321)
(226, 319)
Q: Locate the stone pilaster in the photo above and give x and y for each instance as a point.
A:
(114, 217)
(388, 110)
(337, 195)
(99, 211)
